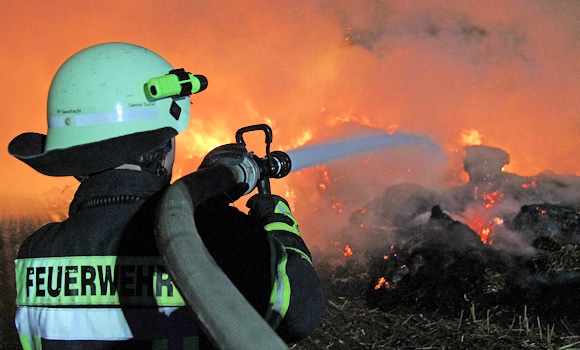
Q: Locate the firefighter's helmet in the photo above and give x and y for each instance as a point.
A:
(102, 112)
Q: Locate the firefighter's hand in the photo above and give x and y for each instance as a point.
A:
(229, 155)
(273, 212)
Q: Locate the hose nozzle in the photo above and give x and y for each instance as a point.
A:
(276, 164)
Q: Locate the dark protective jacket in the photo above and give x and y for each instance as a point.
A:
(95, 280)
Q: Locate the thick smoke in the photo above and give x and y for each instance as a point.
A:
(506, 69)
(508, 211)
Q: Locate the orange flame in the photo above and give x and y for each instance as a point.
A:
(382, 282)
(491, 199)
(348, 251)
(470, 137)
(530, 185)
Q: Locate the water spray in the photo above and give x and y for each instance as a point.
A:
(308, 156)
(257, 172)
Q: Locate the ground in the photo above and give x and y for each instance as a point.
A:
(352, 323)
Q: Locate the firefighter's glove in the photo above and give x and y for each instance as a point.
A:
(273, 212)
(229, 155)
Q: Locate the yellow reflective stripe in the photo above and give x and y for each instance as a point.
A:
(280, 296)
(29, 342)
(302, 254)
(282, 208)
(94, 280)
(280, 226)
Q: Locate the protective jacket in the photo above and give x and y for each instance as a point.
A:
(95, 280)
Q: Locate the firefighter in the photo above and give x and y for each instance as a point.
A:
(95, 280)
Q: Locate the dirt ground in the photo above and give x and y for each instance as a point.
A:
(351, 323)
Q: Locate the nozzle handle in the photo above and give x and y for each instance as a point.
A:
(264, 127)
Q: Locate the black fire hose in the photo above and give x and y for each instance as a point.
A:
(227, 318)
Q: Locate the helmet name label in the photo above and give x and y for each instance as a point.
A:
(144, 104)
(69, 111)
(147, 112)
(94, 280)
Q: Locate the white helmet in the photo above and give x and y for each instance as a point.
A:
(107, 105)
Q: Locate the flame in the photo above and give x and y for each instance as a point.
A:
(197, 144)
(392, 128)
(382, 282)
(346, 118)
(484, 234)
(470, 137)
(532, 184)
(302, 139)
(347, 251)
(491, 199)
(485, 228)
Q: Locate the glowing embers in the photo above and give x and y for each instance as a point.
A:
(530, 185)
(345, 250)
(382, 283)
(393, 272)
(491, 199)
(482, 220)
(485, 227)
(348, 251)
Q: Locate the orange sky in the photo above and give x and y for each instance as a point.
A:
(508, 69)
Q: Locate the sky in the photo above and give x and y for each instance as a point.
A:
(501, 73)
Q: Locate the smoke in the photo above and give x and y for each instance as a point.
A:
(507, 211)
(434, 69)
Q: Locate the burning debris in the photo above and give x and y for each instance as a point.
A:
(499, 240)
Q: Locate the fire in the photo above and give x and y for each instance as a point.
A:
(198, 144)
(345, 118)
(485, 228)
(484, 234)
(470, 137)
(491, 199)
(532, 184)
(391, 129)
(302, 139)
(348, 251)
(382, 283)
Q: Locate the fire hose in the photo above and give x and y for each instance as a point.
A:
(222, 311)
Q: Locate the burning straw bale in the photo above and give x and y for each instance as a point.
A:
(491, 271)
(437, 285)
(352, 323)
(562, 223)
(443, 266)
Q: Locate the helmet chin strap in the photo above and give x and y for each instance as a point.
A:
(154, 161)
(158, 161)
